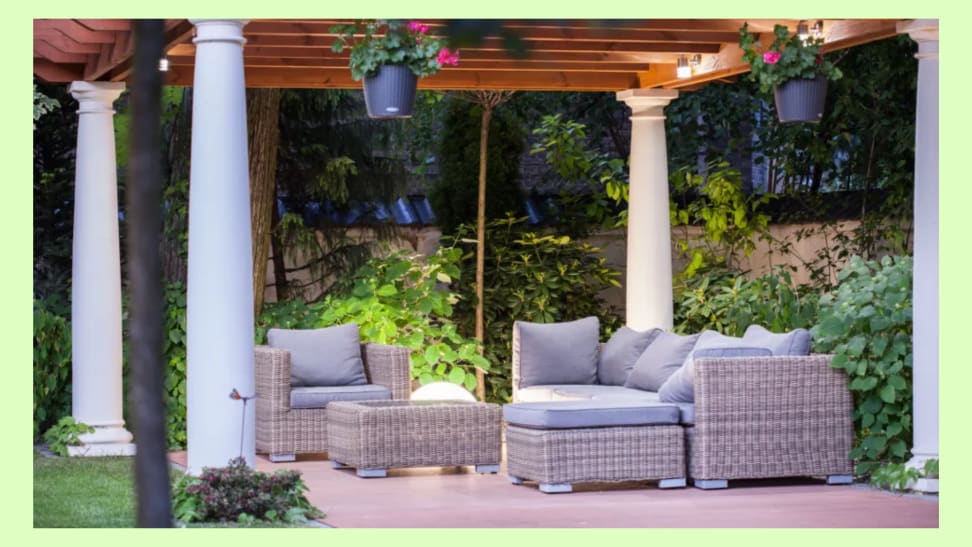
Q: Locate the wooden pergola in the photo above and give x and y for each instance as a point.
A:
(562, 55)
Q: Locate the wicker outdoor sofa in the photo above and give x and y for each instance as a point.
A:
(753, 417)
(283, 431)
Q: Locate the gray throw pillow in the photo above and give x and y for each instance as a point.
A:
(660, 359)
(322, 357)
(620, 353)
(557, 353)
(680, 386)
(795, 342)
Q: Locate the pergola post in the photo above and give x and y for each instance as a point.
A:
(96, 326)
(648, 300)
(925, 292)
(219, 316)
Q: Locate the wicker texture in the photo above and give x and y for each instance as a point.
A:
(284, 430)
(761, 417)
(603, 454)
(381, 435)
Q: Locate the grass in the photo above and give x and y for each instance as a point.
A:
(83, 492)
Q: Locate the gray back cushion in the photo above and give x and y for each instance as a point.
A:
(322, 357)
(680, 386)
(557, 353)
(621, 352)
(660, 359)
(795, 342)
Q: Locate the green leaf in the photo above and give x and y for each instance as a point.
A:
(457, 375)
(386, 290)
(887, 393)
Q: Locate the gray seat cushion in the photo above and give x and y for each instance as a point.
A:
(665, 354)
(620, 353)
(319, 397)
(322, 357)
(795, 342)
(680, 387)
(574, 414)
(557, 353)
(596, 392)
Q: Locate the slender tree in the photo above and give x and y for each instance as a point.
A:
(263, 118)
(145, 272)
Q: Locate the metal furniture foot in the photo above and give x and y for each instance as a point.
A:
(488, 468)
(556, 488)
(337, 465)
(840, 479)
(371, 473)
(516, 480)
(672, 483)
(279, 458)
(710, 484)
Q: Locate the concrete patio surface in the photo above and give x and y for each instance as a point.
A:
(457, 497)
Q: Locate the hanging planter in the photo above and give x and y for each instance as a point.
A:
(390, 93)
(390, 56)
(801, 100)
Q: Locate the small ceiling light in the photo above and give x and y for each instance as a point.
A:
(163, 64)
(682, 68)
(696, 60)
(803, 31)
(817, 29)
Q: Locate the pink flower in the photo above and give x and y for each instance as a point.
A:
(819, 59)
(447, 57)
(418, 27)
(771, 57)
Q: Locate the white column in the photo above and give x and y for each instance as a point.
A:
(219, 316)
(925, 295)
(96, 277)
(648, 302)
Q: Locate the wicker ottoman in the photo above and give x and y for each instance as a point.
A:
(373, 436)
(558, 444)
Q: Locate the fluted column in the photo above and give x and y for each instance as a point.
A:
(648, 301)
(96, 278)
(219, 316)
(925, 295)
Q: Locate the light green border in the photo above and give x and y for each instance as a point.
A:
(16, 281)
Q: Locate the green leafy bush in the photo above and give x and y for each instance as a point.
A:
(529, 277)
(174, 352)
(729, 303)
(52, 367)
(240, 494)
(866, 323)
(64, 434)
(402, 300)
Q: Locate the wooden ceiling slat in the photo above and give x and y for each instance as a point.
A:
(56, 72)
(107, 24)
(67, 45)
(75, 31)
(43, 50)
(496, 64)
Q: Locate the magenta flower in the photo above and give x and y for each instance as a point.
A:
(771, 57)
(418, 27)
(447, 57)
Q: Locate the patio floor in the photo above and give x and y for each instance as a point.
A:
(457, 497)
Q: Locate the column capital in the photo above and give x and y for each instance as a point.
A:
(219, 30)
(96, 96)
(647, 103)
(925, 32)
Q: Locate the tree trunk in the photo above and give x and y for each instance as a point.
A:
(263, 119)
(481, 242)
(174, 264)
(145, 272)
(279, 268)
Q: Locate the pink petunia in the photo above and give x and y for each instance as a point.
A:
(771, 57)
(447, 57)
(418, 27)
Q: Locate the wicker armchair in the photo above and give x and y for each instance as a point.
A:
(283, 432)
(761, 417)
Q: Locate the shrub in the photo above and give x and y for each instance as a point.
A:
(64, 434)
(52, 367)
(174, 352)
(529, 277)
(866, 323)
(238, 493)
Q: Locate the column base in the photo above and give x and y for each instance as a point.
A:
(105, 441)
(925, 485)
(99, 450)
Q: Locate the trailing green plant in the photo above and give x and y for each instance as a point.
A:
(42, 105)
(788, 57)
(52, 367)
(528, 277)
(900, 476)
(726, 302)
(237, 493)
(731, 220)
(174, 352)
(64, 434)
(377, 42)
(866, 322)
(563, 143)
(403, 300)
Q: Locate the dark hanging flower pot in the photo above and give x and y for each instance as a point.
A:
(391, 92)
(801, 100)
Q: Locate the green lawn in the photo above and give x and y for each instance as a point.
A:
(83, 492)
